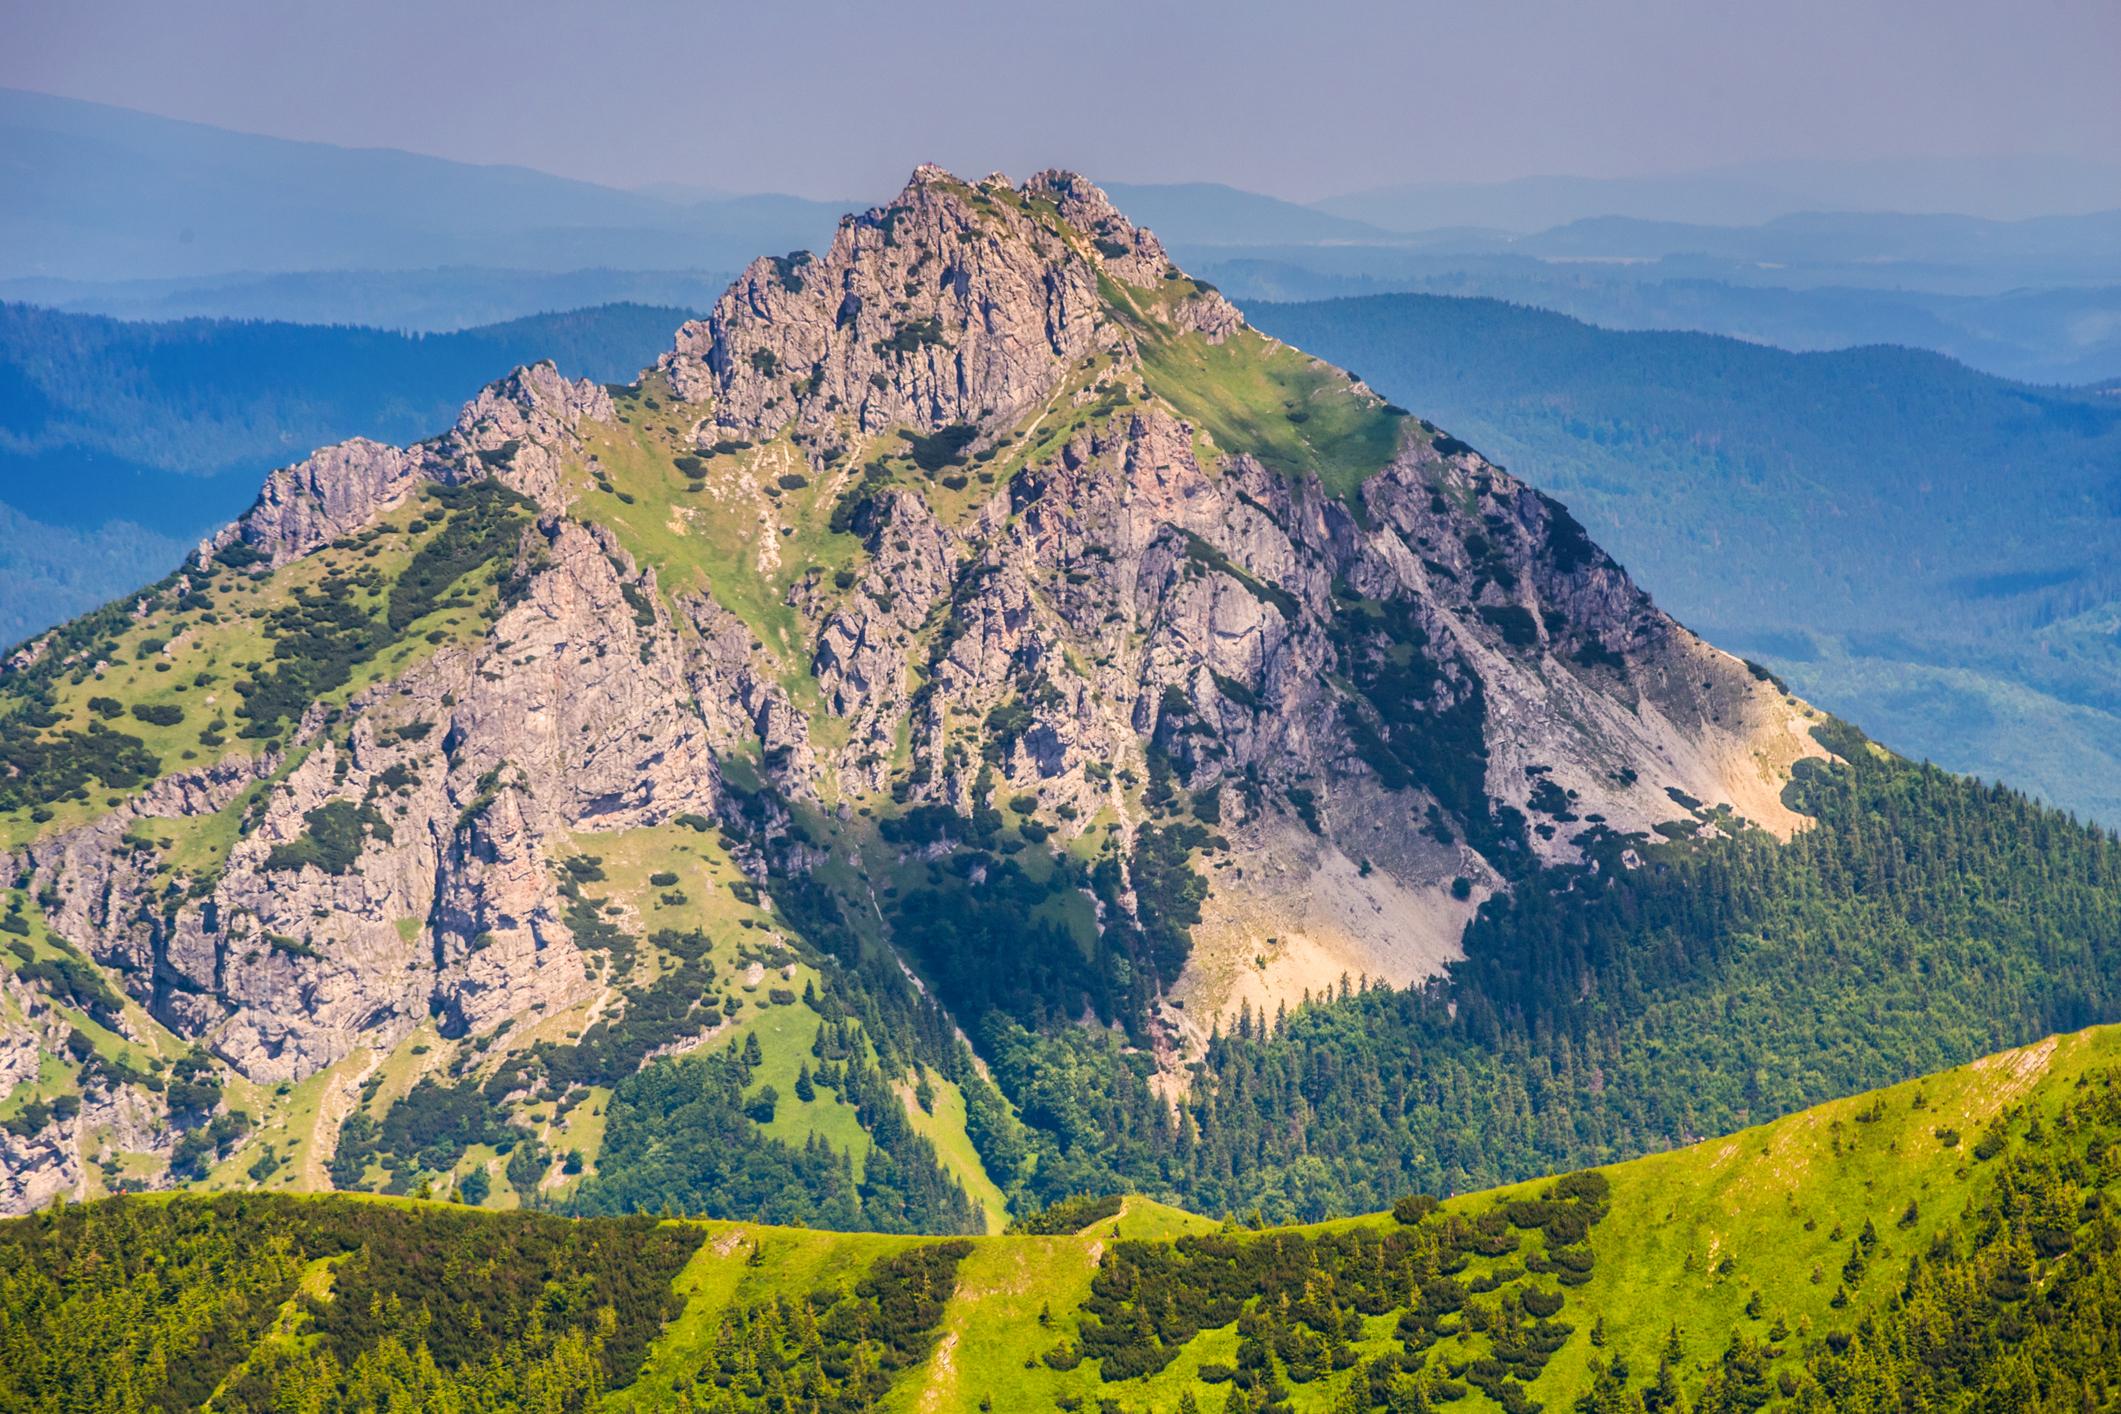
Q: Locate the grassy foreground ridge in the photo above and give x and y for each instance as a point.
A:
(1945, 1243)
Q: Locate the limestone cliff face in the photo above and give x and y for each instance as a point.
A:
(475, 771)
(1069, 582)
(1138, 603)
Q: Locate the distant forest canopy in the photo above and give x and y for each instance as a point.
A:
(1924, 549)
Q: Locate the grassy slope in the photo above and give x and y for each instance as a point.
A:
(1773, 1198)
(1252, 394)
(204, 652)
(1777, 1201)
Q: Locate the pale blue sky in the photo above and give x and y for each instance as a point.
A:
(1303, 98)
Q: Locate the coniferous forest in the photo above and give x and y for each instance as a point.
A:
(1604, 1012)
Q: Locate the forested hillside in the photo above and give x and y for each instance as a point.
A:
(1923, 549)
(1945, 1244)
(1604, 1010)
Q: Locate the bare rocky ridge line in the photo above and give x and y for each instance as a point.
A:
(1135, 590)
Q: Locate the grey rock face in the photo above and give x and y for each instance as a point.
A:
(1132, 603)
(866, 645)
(333, 492)
(954, 304)
(521, 430)
(50, 1161)
(573, 716)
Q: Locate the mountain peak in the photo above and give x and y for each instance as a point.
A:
(954, 303)
(986, 505)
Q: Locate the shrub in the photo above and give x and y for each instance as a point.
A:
(332, 842)
(1413, 1208)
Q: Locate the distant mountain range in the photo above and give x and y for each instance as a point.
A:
(2000, 188)
(439, 300)
(101, 193)
(2068, 335)
(1211, 214)
(108, 211)
(1927, 549)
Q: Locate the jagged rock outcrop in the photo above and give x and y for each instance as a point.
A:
(518, 431)
(471, 775)
(49, 1160)
(952, 305)
(865, 646)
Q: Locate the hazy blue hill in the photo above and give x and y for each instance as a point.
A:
(92, 192)
(2063, 335)
(1210, 213)
(437, 300)
(2000, 188)
(2036, 299)
(2045, 249)
(120, 442)
(1927, 549)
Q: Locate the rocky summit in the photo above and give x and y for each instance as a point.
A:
(973, 632)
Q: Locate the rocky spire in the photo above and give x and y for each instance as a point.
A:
(956, 302)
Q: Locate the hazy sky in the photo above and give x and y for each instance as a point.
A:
(1303, 98)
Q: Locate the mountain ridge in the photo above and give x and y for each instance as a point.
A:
(975, 722)
(102, 191)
